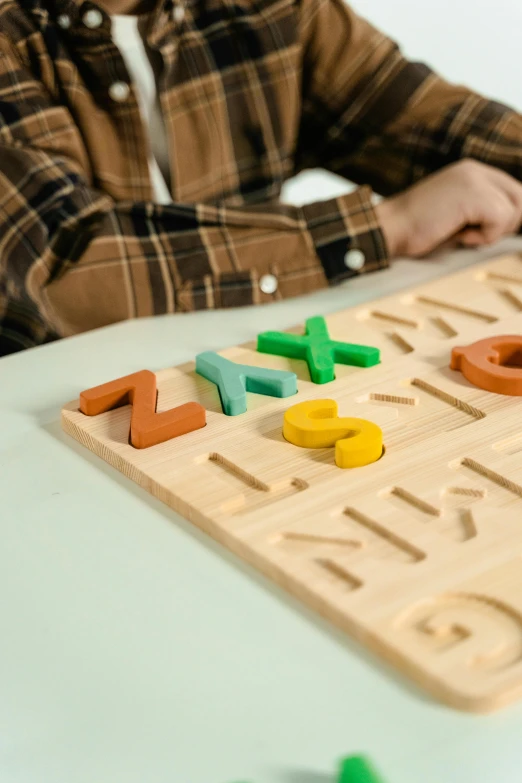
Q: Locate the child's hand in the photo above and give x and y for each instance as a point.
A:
(467, 202)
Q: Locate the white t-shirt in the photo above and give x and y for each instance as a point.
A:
(127, 37)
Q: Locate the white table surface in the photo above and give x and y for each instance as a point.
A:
(133, 649)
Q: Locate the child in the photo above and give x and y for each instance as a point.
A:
(143, 146)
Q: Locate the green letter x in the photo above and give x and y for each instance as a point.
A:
(318, 350)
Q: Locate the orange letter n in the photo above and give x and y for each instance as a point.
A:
(147, 428)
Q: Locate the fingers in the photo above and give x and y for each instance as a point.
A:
(475, 237)
(489, 232)
(506, 216)
(468, 202)
(502, 217)
(497, 213)
(510, 186)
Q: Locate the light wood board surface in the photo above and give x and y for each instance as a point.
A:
(418, 555)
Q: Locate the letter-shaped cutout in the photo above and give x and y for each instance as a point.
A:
(234, 380)
(493, 364)
(318, 350)
(467, 631)
(147, 428)
(315, 425)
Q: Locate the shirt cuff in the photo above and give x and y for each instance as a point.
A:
(347, 236)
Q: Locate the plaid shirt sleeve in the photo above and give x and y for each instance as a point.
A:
(72, 259)
(384, 120)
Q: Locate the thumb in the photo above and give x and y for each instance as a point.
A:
(476, 236)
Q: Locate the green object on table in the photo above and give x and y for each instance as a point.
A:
(319, 351)
(357, 769)
(234, 380)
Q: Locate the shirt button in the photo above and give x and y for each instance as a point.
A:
(119, 91)
(354, 259)
(64, 20)
(268, 284)
(93, 19)
(178, 14)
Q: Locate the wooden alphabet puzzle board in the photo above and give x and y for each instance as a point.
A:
(419, 555)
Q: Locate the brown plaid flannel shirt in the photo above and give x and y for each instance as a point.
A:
(252, 92)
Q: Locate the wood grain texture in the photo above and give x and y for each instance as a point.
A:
(419, 555)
